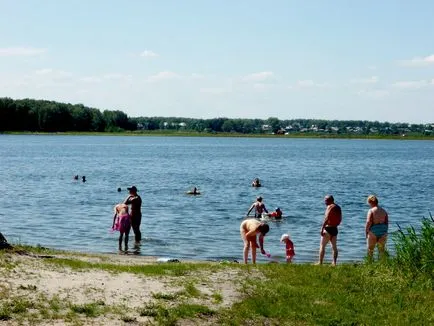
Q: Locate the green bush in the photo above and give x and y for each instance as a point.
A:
(415, 249)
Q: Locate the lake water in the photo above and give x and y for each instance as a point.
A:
(40, 203)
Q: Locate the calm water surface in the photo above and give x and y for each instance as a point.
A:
(41, 204)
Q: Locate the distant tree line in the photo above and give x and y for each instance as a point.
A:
(49, 116)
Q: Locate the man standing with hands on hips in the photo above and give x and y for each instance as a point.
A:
(135, 201)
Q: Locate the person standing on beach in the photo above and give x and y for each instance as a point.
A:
(377, 225)
(329, 228)
(135, 201)
(259, 207)
(249, 229)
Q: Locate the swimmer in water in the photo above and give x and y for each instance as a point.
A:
(249, 229)
(259, 207)
(83, 178)
(76, 177)
(277, 214)
(256, 183)
(122, 223)
(193, 192)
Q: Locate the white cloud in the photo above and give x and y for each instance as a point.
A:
(413, 84)
(163, 75)
(374, 93)
(113, 76)
(308, 83)
(259, 76)
(91, 79)
(372, 67)
(21, 51)
(213, 90)
(369, 80)
(149, 54)
(418, 61)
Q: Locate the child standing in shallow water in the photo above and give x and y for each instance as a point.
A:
(290, 253)
(122, 223)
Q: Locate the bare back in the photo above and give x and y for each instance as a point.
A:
(121, 209)
(378, 215)
(249, 225)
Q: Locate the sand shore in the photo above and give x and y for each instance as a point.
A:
(57, 288)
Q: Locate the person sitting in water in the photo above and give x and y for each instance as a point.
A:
(122, 223)
(249, 229)
(377, 225)
(277, 214)
(259, 207)
(256, 183)
(194, 192)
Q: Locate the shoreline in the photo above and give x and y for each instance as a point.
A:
(224, 135)
(40, 286)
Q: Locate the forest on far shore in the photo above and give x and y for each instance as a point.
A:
(49, 116)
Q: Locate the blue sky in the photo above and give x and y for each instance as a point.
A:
(369, 60)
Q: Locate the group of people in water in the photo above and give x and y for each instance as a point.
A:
(253, 229)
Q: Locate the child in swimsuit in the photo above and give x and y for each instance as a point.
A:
(122, 223)
(290, 252)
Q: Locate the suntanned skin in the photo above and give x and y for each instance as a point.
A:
(259, 207)
(121, 209)
(249, 229)
(332, 210)
(376, 215)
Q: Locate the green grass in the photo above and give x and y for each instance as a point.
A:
(166, 269)
(90, 310)
(169, 316)
(344, 295)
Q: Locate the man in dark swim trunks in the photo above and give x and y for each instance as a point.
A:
(136, 212)
(329, 228)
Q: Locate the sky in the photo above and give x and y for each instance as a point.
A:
(340, 59)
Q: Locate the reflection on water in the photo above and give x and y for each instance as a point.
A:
(42, 204)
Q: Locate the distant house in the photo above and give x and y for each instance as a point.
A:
(182, 124)
(140, 126)
(266, 127)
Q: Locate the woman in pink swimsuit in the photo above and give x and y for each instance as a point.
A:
(122, 223)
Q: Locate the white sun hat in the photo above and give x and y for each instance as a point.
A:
(284, 237)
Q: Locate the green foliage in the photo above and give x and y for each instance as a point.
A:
(415, 250)
(359, 294)
(88, 309)
(49, 116)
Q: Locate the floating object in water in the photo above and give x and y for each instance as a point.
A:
(167, 260)
(193, 192)
(76, 177)
(119, 189)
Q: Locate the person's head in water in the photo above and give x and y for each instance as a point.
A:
(83, 178)
(76, 177)
(259, 199)
(263, 228)
(119, 189)
(132, 190)
(278, 209)
(328, 200)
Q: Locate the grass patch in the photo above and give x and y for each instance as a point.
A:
(344, 295)
(191, 290)
(5, 313)
(91, 310)
(167, 269)
(165, 296)
(169, 316)
(217, 297)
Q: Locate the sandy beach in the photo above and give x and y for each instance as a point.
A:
(84, 289)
